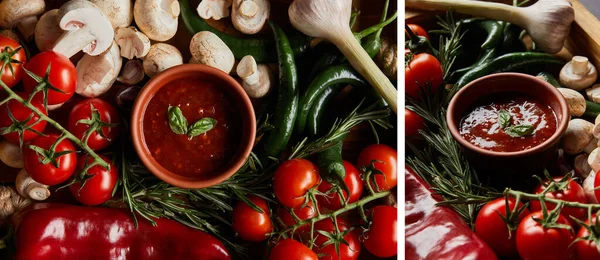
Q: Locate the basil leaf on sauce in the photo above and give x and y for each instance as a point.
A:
(519, 130)
(503, 118)
(201, 126)
(177, 121)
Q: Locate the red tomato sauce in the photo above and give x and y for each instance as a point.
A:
(481, 127)
(206, 153)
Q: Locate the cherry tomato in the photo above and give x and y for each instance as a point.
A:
(352, 180)
(418, 30)
(492, 229)
(292, 250)
(293, 179)
(349, 251)
(421, 70)
(303, 213)
(250, 224)
(47, 173)
(98, 188)
(16, 60)
(586, 249)
(63, 76)
(412, 123)
(381, 238)
(536, 242)
(385, 160)
(573, 192)
(103, 116)
(21, 113)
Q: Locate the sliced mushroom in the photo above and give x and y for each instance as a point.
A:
(581, 165)
(213, 9)
(118, 12)
(132, 73)
(10, 34)
(578, 74)
(208, 49)
(22, 14)
(249, 16)
(593, 93)
(10, 154)
(157, 18)
(575, 100)
(132, 42)
(256, 78)
(578, 137)
(47, 30)
(29, 188)
(161, 57)
(96, 74)
(87, 29)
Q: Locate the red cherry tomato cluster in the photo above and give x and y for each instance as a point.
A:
(49, 158)
(298, 186)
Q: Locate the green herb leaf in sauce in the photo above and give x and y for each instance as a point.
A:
(503, 118)
(519, 130)
(201, 126)
(177, 121)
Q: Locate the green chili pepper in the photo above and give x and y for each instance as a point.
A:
(372, 43)
(487, 56)
(548, 77)
(417, 44)
(495, 33)
(341, 74)
(276, 140)
(592, 110)
(318, 110)
(511, 41)
(262, 49)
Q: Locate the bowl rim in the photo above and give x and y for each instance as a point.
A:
(248, 126)
(560, 128)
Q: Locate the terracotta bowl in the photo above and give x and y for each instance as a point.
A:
(508, 168)
(209, 74)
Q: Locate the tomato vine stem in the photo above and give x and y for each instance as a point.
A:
(542, 197)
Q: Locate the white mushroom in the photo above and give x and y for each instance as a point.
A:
(589, 188)
(47, 30)
(256, 78)
(213, 9)
(86, 27)
(132, 42)
(132, 73)
(157, 18)
(11, 202)
(161, 57)
(575, 101)
(96, 74)
(29, 188)
(249, 16)
(208, 49)
(10, 34)
(593, 93)
(578, 74)
(22, 14)
(118, 12)
(581, 165)
(594, 160)
(578, 137)
(10, 154)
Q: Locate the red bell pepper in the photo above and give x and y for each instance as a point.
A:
(59, 231)
(434, 232)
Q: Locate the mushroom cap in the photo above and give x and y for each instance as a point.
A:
(213, 9)
(263, 86)
(157, 18)
(249, 17)
(578, 74)
(118, 12)
(10, 154)
(76, 14)
(577, 136)
(132, 72)
(593, 160)
(593, 93)
(47, 30)
(132, 42)
(96, 74)
(12, 11)
(575, 101)
(582, 168)
(161, 57)
(208, 49)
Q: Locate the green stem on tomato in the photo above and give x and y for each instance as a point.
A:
(375, 28)
(542, 197)
(333, 214)
(71, 137)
